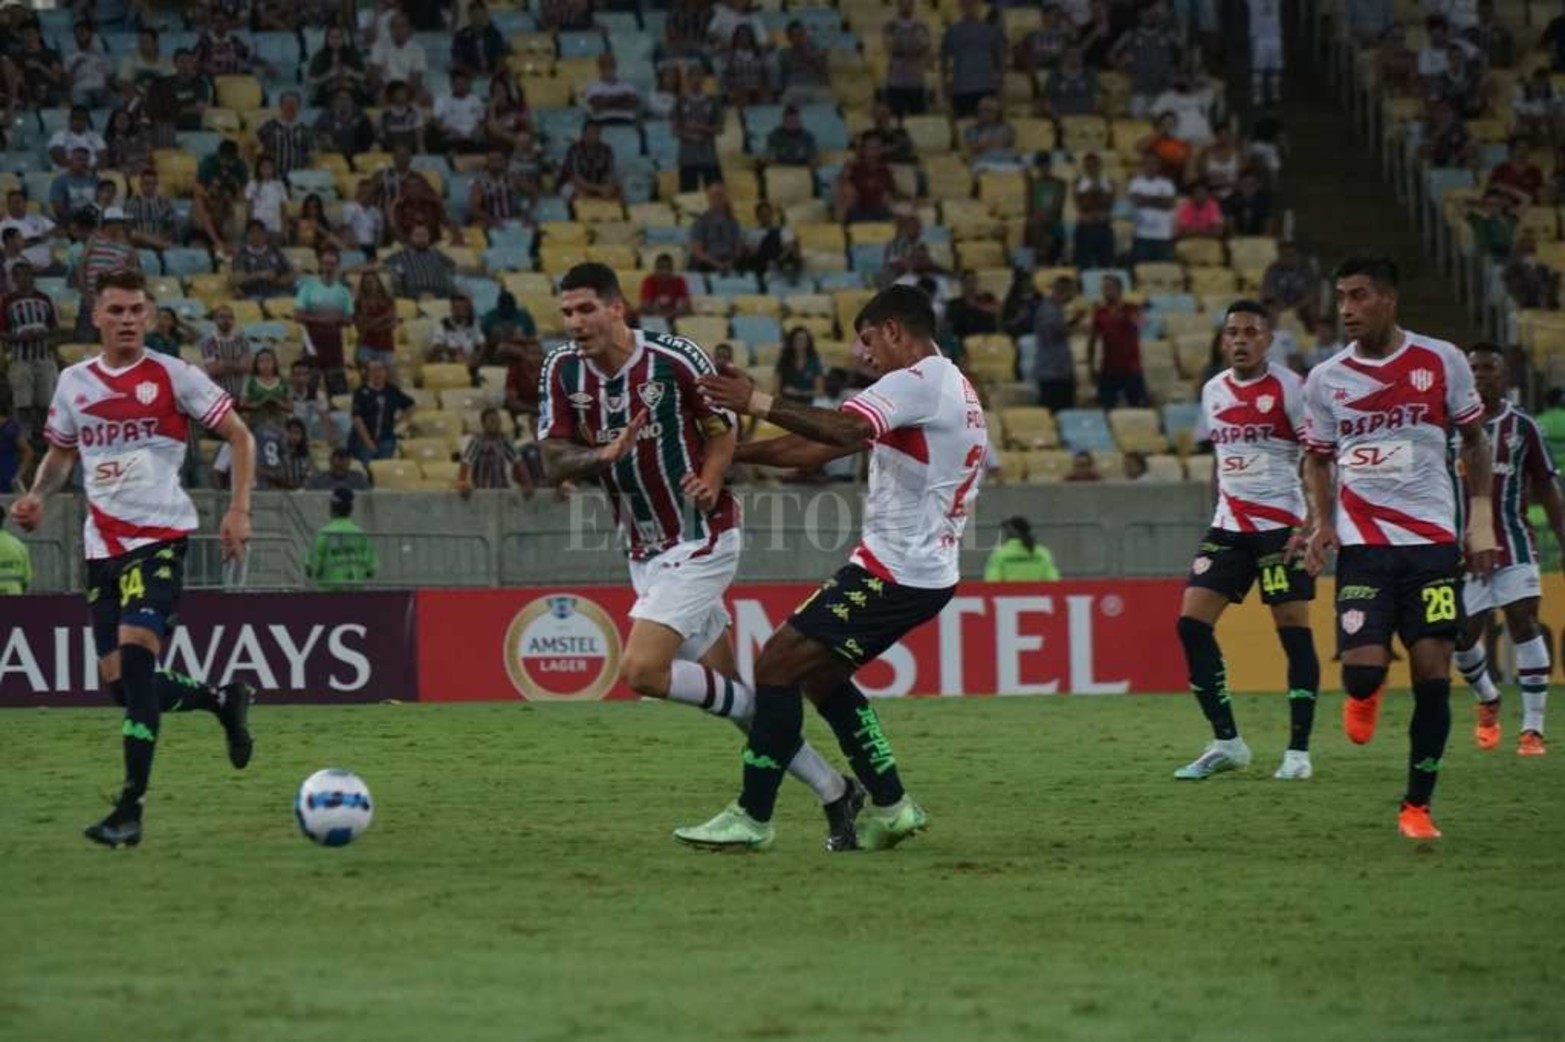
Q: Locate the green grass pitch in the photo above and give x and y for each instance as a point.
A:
(519, 882)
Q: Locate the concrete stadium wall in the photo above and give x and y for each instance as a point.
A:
(791, 533)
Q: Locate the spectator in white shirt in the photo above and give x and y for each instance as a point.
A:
(90, 69)
(363, 219)
(36, 230)
(79, 134)
(459, 117)
(398, 57)
(1154, 198)
(610, 99)
(267, 195)
(1191, 106)
(728, 17)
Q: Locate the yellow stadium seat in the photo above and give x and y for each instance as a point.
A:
(1083, 134)
(818, 325)
(703, 304)
(1005, 193)
(1018, 90)
(1201, 253)
(1205, 281)
(1043, 278)
(1013, 467)
(1542, 222)
(647, 256)
(1029, 427)
(425, 449)
(1045, 466)
(757, 304)
(929, 133)
(821, 237)
(1160, 277)
(1034, 135)
(705, 330)
(221, 120)
(1019, 21)
(443, 472)
(1199, 468)
(980, 253)
(948, 176)
(1246, 252)
(445, 375)
(1193, 349)
(1126, 134)
(786, 185)
(528, 283)
(546, 92)
(562, 233)
(176, 171)
(557, 260)
(1179, 323)
(847, 303)
(473, 421)
(464, 399)
(818, 304)
(432, 422)
(240, 93)
(835, 353)
(1137, 430)
(613, 256)
(395, 474)
(651, 215)
(616, 233)
(810, 211)
(593, 210)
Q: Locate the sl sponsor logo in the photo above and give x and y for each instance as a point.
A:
(1352, 621)
(1245, 467)
(1388, 459)
(562, 648)
(1201, 565)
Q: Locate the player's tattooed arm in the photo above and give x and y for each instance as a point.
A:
(1478, 472)
(731, 389)
(52, 475)
(567, 460)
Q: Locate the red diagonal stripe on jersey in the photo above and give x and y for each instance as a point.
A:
(872, 564)
(1244, 511)
(1367, 517)
(114, 530)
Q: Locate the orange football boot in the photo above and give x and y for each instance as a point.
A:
(1414, 822)
(1360, 714)
(1487, 732)
(1531, 744)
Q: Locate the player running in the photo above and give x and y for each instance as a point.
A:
(925, 427)
(622, 406)
(1381, 409)
(126, 415)
(1522, 471)
(1254, 416)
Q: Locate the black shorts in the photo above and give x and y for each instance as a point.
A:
(140, 588)
(1411, 592)
(859, 616)
(1229, 562)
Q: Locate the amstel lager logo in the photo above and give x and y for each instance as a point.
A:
(562, 648)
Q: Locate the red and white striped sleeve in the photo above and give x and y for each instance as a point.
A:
(60, 426)
(902, 398)
(1461, 395)
(1320, 430)
(198, 396)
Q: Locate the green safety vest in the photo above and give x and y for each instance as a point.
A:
(342, 556)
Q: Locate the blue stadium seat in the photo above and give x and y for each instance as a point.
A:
(200, 143)
(55, 120)
(51, 285)
(825, 122)
(119, 44)
(181, 263)
(1092, 281)
(439, 164)
(679, 236)
(757, 329)
(661, 145)
(817, 19)
(835, 280)
(654, 23)
(22, 163)
(1176, 303)
(265, 330)
(513, 21)
(623, 138)
(551, 208)
(507, 258)
(1440, 180)
(36, 185)
(1023, 257)
(312, 182)
(632, 46)
(654, 324)
(618, 23)
(866, 256)
(485, 292)
(1180, 416)
(151, 263)
(457, 188)
(354, 259)
(586, 44)
(1085, 430)
(638, 178)
(437, 47)
(732, 285)
(187, 308)
(514, 235)
(279, 50)
(1026, 354)
(781, 286)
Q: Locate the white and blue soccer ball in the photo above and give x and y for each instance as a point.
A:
(333, 807)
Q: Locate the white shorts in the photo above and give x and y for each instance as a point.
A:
(1508, 585)
(682, 588)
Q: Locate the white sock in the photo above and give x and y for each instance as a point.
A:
(694, 684)
(1532, 669)
(1474, 664)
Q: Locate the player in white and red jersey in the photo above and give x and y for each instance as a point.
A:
(924, 426)
(125, 415)
(622, 406)
(1523, 472)
(1253, 414)
(1380, 412)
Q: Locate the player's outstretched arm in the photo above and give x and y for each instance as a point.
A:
(731, 389)
(790, 450)
(1478, 472)
(234, 531)
(52, 474)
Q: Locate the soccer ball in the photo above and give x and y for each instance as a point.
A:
(333, 807)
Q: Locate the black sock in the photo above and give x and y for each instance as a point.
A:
(178, 693)
(1427, 736)
(857, 727)
(1303, 683)
(1208, 675)
(138, 676)
(776, 734)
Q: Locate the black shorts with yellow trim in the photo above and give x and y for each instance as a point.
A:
(1410, 592)
(140, 588)
(858, 615)
(1229, 563)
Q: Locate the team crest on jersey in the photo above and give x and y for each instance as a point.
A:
(1422, 380)
(1265, 402)
(1352, 621)
(651, 393)
(1201, 565)
(147, 392)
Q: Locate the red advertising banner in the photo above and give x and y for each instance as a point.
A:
(297, 647)
(554, 643)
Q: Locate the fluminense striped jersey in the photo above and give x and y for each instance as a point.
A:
(27, 318)
(579, 402)
(1521, 458)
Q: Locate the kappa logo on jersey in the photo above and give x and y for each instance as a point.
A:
(1340, 394)
(1265, 402)
(651, 393)
(1422, 380)
(1352, 621)
(147, 392)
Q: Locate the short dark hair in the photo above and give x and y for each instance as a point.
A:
(488, 412)
(342, 501)
(599, 278)
(1485, 347)
(121, 278)
(909, 307)
(1247, 306)
(1377, 267)
(1555, 398)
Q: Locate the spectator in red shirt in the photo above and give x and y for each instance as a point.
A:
(1518, 177)
(664, 293)
(866, 187)
(1116, 324)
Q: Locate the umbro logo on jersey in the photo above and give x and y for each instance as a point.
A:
(581, 401)
(1265, 402)
(146, 393)
(651, 393)
(1422, 380)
